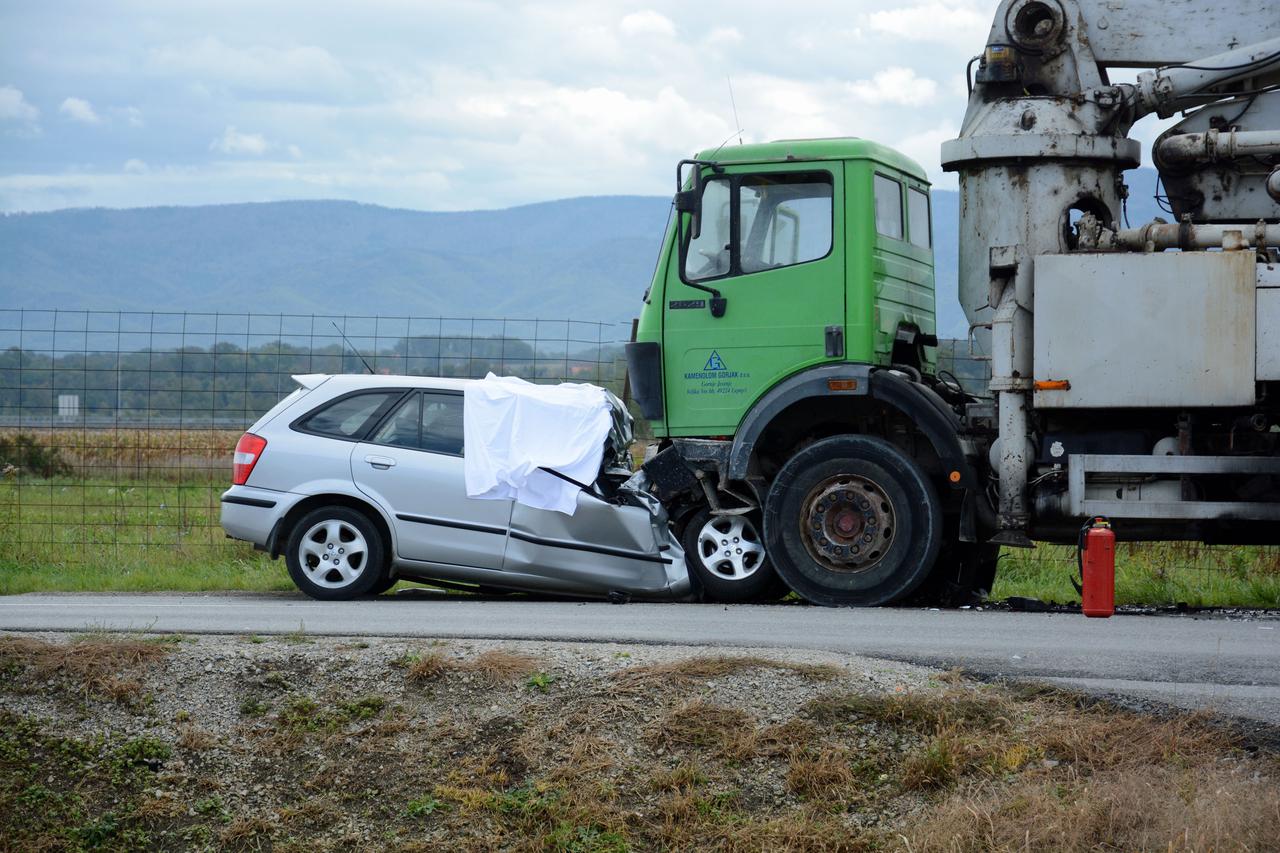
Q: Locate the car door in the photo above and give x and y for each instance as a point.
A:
(411, 464)
(601, 547)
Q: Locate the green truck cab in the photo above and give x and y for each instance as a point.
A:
(783, 358)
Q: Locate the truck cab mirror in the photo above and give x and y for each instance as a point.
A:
(690, 200)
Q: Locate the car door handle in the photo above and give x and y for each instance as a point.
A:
(382, 463)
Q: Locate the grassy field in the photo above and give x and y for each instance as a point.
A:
(64, 534)
(68, 534)
(137, 509)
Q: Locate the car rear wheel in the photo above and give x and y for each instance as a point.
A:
(335, 553)
(727, 556)
(852, 521)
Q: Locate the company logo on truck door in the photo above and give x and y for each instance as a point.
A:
(716, 377)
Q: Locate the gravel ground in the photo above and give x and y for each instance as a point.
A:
(297, 742)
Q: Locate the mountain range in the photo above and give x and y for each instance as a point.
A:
(580, 258)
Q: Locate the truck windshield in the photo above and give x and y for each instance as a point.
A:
(759, 222)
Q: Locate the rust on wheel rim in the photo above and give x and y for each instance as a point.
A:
(847, 523)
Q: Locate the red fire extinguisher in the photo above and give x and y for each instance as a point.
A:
(1096, 556)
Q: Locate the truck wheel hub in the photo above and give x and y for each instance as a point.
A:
(848, 523)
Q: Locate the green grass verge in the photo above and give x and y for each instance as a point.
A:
(1153, 573)
(74, 535)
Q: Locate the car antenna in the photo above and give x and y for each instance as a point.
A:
(353, 349)
(734, 105)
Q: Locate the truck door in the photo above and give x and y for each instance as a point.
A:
(771, 244)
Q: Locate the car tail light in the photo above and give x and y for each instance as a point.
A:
(248, 451)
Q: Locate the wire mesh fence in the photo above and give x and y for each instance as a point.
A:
(117, 428)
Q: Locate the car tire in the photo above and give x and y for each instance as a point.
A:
(852, 521)
(727, 558)
(335, 553)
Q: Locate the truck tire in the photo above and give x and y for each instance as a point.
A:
(727, 558)
(852, 521)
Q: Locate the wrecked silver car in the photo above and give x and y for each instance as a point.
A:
(360, 481)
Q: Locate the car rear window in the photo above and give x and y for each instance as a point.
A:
(350, 416)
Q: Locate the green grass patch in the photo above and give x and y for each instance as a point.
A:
(75, 535)
(1153, 573)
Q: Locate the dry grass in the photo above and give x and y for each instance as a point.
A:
(195, 739)
(246, 833)
(682, 674)
(153, 454)
(702, 725)
(495, 666)
(97, 665)
(819, 773)
(1205, 807)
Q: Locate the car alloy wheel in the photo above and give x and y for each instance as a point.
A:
(333, 554)
(730, 547)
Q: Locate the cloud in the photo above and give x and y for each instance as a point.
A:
(78, 109)
(298, 68)
(233, 141)
(647, 23)
(924, 147)
(895, 85)
(960, 23)
(14, 107)
(132, 116)
(723, 37)
(135, 166)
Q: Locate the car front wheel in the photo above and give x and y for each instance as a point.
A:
(727, 556)
(335, 553)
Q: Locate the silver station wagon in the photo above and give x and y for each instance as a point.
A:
(359, 482)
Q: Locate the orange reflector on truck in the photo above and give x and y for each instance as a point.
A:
(1052, 385)
(842, 384)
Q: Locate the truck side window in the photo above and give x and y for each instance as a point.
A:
(708, 256)
(785, 219)
(918, 213)
(888, 207)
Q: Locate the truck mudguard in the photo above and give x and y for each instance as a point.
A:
(644, 369)
(925, 409)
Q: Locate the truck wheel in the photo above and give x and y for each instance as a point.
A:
(727, 557)
(335, 553)
(852, 521)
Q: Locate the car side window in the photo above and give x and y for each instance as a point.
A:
(404, 427)
(349, 417)
(888, 207)
(442, 423)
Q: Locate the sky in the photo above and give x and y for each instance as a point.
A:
(451, 105)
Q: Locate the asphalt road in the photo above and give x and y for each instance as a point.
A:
(1231, 665)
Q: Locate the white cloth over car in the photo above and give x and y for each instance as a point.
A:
(513, 429)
